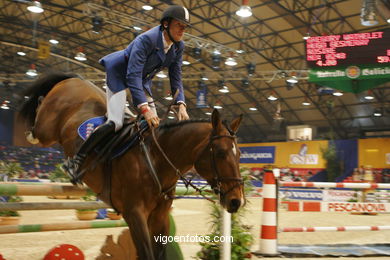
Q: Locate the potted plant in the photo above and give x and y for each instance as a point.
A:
(87, 214)
(242, 237)
(10, 217)
(10, 170)
(113, 215)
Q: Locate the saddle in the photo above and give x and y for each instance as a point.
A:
(116, 144)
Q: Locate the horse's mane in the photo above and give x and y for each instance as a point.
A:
(169, 125)
(39, 88)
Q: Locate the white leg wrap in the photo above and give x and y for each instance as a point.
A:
(116, 103)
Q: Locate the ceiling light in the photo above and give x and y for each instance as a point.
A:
(338, 93)
(369, 95)
(97, 24)
(231, 61)
(388, 20)
(35, 7)
(32, 72)
(80, 56)
(224, 89)
(272, 96)
(137, 28)
(197, 52)
(171, 117)
(253, 108)
(245, 10)
(307, 36)
(216, 106)
(251, 67)
(306, 102)
(292, 80)
(245, 82)
(147, 7)
(21, 53)
(4, 106)
(377, 112)
(161, 74)
(368, 13)
(240, 51)
(208, 113)
(54, 41)
(168, 97)
(204, 78)
(186, 62)
(216, 52)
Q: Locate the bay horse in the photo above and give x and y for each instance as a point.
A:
(58, 103)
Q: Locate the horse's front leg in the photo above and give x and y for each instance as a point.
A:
(137, 222)
(159, 228)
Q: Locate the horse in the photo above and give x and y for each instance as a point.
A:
(58, 103)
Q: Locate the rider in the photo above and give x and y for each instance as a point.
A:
(134, 68)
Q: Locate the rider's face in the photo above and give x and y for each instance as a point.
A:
(177, 30)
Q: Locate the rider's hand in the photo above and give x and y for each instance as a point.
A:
(182, 113)
(150, 116)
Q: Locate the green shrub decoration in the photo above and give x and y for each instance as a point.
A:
(242, 237)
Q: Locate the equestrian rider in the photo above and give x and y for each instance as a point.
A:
(133, 68)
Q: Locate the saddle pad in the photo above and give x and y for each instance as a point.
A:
(86, 128)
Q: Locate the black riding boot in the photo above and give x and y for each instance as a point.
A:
(73, 165)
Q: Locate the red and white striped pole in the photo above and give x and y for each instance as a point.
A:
(268, 236)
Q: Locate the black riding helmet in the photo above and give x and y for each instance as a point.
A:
(177, 12)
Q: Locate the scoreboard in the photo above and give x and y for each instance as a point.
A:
(348, 49)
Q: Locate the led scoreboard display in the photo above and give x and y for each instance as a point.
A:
(348, 49)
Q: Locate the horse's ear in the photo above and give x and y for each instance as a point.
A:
(216, 120)
(236, 123)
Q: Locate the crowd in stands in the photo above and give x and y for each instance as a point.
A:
(375, 175)
(36, 162)
(286, 174)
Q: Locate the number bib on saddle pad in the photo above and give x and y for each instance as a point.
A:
(86, 128)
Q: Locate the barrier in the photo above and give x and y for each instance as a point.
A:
(62, 226)
(58, 189)
(346, 228)
(337, 206)
(350, 185)
(268, 241)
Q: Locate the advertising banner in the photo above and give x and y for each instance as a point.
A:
(354, 207)
(257, 154)
(338, 195)
(301, 194)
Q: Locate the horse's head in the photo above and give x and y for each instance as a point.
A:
(219, 163)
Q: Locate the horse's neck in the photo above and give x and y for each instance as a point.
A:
(186, 143)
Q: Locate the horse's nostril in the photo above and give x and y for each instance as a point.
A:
(235, 204)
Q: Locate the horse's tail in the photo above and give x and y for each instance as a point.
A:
(38, 89)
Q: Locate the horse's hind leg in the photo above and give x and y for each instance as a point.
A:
(136, 220)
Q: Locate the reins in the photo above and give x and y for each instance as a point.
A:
(187, 183)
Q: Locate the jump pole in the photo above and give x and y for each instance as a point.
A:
(268, 233)
(226, 246)
(58, 189)
(350, 185)
(338, 229)
(62, 226)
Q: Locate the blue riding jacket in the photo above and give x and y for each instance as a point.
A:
(135, 66)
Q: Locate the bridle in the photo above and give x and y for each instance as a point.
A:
(217, 179)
